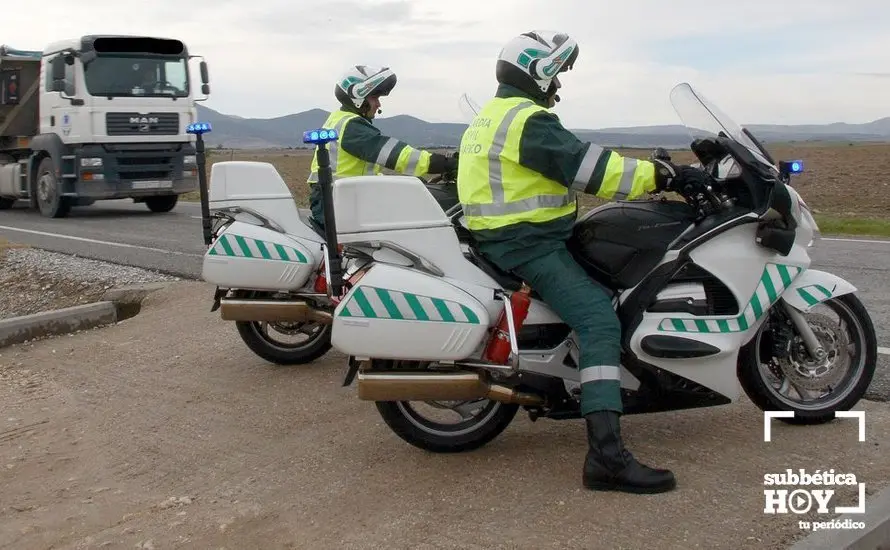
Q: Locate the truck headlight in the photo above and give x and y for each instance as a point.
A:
(90, 162)
(189, 159)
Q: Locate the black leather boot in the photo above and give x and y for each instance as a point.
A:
(610, 467)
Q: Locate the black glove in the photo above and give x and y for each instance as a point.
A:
(443, 164)
(451, 163)
(673, 177)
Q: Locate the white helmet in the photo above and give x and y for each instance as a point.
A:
(532, 61)
(361, 82)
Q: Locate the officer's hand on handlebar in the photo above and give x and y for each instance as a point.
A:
(673, 177)
(450, 171)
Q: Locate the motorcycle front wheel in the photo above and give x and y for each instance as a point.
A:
(777, 374)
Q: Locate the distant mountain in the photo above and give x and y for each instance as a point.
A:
(236, 132)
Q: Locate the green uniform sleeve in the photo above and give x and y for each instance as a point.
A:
(549, 149)
(363, 140)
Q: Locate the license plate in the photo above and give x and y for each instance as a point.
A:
(152, 184)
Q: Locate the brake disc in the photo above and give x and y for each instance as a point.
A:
(811, 374)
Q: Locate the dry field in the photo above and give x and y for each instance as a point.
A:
(840, 181)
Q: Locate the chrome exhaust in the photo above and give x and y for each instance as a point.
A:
(435, 386)
(271, 311)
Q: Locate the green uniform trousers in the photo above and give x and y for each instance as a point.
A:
(587, 309)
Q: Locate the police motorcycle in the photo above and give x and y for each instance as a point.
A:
(266, 258)
(715, 295)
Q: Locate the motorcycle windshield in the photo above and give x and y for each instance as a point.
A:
(704, 119)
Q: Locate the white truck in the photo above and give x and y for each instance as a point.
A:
(98, 117)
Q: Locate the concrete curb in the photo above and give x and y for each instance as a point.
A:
(117, 304)
(875, 536)
(16, 330)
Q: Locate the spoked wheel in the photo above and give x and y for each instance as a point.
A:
(286, 343)
(777, 373)
(447, 426)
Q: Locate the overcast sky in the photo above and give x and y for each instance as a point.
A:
(770, 61)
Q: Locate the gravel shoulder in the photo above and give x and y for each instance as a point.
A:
(34, 280)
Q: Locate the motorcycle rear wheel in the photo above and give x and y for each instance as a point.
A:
(473, 431)
(259, 338)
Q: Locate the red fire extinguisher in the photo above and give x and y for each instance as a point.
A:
(498, 348)
(321, 284)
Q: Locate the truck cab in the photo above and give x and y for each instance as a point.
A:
(98, 117)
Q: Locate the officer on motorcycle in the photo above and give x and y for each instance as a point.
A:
(360, 149)
(518, 175)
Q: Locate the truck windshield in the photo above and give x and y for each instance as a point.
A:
(129, 76)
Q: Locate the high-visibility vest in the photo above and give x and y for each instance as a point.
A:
(343, 165)
(493, 188)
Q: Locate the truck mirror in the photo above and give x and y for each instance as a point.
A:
(58, 70)
(205, 89)
(69, 59)
(205, 78)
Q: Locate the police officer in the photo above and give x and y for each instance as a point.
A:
(360, 149)
(518, 175)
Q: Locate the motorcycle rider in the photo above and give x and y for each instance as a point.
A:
(360, 148)
(517, 179)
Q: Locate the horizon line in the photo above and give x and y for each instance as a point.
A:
(747, 125)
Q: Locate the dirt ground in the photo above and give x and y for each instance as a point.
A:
(838, 179)
(134, 437)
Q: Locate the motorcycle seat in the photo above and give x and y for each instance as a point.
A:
(507, 280)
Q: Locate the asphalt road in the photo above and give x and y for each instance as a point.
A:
(128, 233)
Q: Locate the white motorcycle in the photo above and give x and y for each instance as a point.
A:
(265, 257)
(714, 293)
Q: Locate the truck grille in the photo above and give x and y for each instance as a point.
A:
(142, 124)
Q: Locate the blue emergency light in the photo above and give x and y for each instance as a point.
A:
(320, 136)
(790, 167)
(198, 128)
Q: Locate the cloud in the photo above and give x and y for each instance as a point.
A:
(792, 61)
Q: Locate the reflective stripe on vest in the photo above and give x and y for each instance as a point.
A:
(339, 119)
(549, 199)
(588, 165)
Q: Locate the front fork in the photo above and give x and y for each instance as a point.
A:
(806, 333)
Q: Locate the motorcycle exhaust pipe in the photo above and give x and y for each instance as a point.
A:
(271, 311)
(434, 386)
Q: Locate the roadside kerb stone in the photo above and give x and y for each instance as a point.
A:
(16, 330)
(875, 535)
(117, 304)
(128, 299)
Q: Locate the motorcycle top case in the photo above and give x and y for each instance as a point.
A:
(252, 257)
(399, 313)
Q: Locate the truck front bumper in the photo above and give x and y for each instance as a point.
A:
(131, 171)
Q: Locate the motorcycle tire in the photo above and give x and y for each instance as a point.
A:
(469, 435)
(252, 337)
(765, 397)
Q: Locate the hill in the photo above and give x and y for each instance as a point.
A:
(235, 132)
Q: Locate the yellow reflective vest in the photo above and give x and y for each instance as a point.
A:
(496, 190)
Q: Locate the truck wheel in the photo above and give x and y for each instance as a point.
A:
(49, 200)
(163, 203)
(5, 203)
